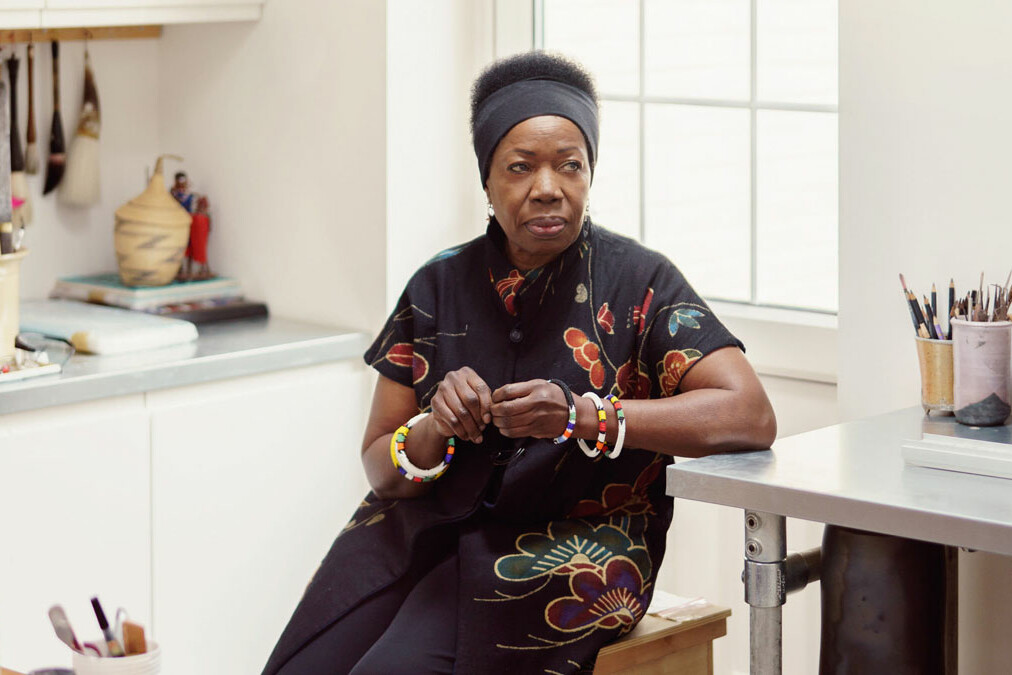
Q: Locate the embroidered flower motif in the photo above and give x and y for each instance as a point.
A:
(606, 319)
(675, 363)
(401, 354)
(608, 597)
(581, 293)
(569, 546)
(507, 289)
(419, 367)
(639, 312)
(587, 354)
(622, 498)
(630, 382)
(683, 317)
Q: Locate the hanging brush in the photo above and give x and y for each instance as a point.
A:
(80, 185)
(19, 181)
(57, 147)
(32, 148)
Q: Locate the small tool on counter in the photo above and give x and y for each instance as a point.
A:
(133, 638)
(63, 629)
(19, 181)
(80, 186)
(32, 147)
(57, 146)
(111, 642)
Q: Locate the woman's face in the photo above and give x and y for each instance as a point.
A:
(538, 184)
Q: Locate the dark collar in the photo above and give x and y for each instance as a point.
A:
(522, 293)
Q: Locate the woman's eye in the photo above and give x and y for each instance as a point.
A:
(519, 167)
(572, 165)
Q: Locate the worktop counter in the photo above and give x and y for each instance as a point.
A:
(223, 350)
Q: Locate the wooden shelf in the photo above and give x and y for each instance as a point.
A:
(64, 34)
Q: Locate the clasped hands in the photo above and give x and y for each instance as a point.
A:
(463, 406)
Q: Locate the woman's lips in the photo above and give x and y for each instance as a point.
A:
(545, 227)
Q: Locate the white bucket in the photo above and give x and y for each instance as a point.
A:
(138, 664)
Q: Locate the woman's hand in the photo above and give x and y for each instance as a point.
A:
(462, 405)
(535, 408)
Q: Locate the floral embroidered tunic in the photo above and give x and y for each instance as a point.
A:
(558, 551)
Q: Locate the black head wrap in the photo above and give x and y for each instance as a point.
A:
(523, 100)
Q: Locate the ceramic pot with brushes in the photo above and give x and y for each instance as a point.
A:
(982, 375)
(152, 230)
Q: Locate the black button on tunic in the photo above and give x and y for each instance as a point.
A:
(558, 552)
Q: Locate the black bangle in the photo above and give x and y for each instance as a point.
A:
(571, 424)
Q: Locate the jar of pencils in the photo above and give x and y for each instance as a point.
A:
(982, 372)
(935, 360)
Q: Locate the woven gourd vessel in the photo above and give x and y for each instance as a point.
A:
(151, 234)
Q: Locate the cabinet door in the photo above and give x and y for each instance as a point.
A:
(252, 480)
(76, 518)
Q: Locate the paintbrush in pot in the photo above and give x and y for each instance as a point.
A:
(19, 181)
(80, 184)
(63, 629)
(32, 147)
(57, 147)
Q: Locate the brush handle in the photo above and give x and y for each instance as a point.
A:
(17, 155)
(56, 75)
(31, 93)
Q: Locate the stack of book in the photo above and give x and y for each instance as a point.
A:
(202, 301)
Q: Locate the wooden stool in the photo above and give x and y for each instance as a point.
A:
(680, 645)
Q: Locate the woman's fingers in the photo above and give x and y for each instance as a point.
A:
(533, 408)
(449, 423)
(463, 403)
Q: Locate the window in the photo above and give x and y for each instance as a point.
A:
(718, 136)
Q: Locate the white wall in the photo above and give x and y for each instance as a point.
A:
(65, 240)
(925, 143)
(281, 123)
(434, 198)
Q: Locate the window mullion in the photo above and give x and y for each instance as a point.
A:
(753, 179)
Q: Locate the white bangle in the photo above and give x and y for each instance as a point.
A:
(400, 457)
(601, 428)
(620, 414)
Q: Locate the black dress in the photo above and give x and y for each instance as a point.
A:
(558, 552)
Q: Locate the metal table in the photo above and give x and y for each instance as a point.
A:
(852, 475)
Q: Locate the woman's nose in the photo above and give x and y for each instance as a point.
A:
(546, 186)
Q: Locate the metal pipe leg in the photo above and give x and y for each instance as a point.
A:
(765, 589)
(765, 632)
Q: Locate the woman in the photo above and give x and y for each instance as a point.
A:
(509, 548)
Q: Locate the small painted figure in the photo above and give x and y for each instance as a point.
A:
(181, 192)
(196, 251)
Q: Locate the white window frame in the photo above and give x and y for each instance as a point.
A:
(784, 342)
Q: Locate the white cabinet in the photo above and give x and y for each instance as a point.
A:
(252, 480)
(83, 13)
(75, 521)
(204, 510)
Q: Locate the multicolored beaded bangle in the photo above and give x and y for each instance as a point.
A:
(400, 457)
(602, 427)
(571, 423)
(620, 414)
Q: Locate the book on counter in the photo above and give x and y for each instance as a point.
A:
(106, 289)
(202, 301)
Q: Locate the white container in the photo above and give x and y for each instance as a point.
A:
(139, 664)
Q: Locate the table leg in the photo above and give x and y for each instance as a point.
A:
(765, 589)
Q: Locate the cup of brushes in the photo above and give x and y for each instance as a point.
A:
(966, 369)
(123, 649)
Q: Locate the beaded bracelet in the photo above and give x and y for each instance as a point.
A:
(400, 457)
(571, 423)
(620, 414)
(602, 427)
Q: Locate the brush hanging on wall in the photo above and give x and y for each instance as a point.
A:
(80, 186)
(19, 181)
(57, 147)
